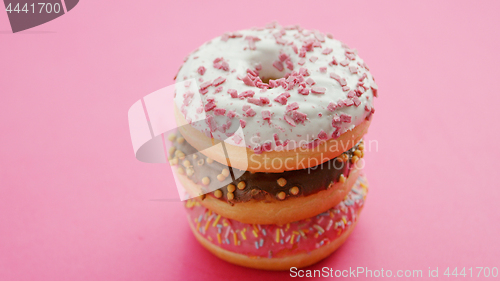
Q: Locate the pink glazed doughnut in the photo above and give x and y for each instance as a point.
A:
(277, 247)
(296, 94)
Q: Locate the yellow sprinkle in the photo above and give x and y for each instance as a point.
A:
(287, 226)
(316, 235)
(342, 178)
(295, 232)
(235, 237)
(302, 233)
(198, 226)
(291, 239)
(209, 212)
(319, 228)
(344, 220)
(255, 233)
(206, 225)
(218, 238)
(243, 234)
(277, 235)
(363, 185)
(171, 137)
(224, 222)
(216, 221)
(338, 232)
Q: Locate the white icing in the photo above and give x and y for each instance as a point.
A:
(236, 52)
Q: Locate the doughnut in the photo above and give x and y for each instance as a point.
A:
(295, 94)
(265, 198)
(269, 144)
(277, 247)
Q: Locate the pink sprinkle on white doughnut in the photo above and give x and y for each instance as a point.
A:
(250, 112)
(282, 98)
(310, 81)
(243, 123)
(319, 36)
(303, 91)
(298, 117)
(219, 81)
(278, 65)
(233, 93)
(327, 51)
(331, 106)
(266, 115)
(289, 120)
(201, 70)
(283, 57)
(205, 85)
(292, 106)
(318, 90)
(322, 135)
(211, 123)
(356, 101)
(219, 111)
(303, 71)
(348, 102)
(345, 118)
(248, 81)
(237, 139)
(246, 94)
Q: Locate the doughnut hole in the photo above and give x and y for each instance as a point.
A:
(266, 56)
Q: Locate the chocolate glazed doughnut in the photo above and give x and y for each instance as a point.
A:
(266, 198)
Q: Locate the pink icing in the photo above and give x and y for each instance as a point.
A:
(277, 241)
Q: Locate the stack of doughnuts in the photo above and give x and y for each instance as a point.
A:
(289, 108)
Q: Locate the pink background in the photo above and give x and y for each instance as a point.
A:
(76, 205)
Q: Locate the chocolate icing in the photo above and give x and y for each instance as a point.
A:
(259, 186)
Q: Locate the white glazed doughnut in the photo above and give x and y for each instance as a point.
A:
(286, 87)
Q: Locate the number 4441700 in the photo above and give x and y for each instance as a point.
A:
(32, 8)
(481, 271)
